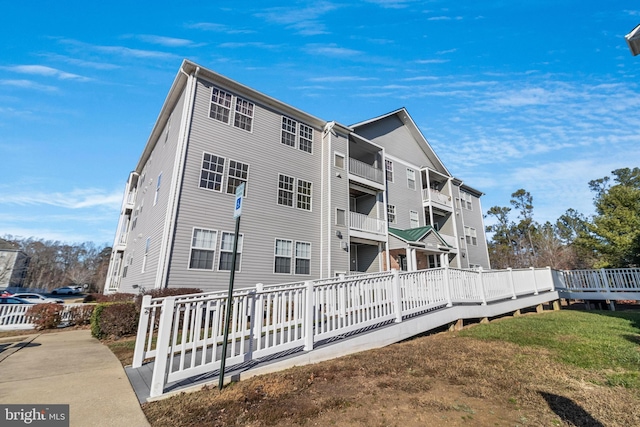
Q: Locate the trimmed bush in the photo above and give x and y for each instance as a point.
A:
(114, 320)
(80, 315)
(117, 297)
(45, 316)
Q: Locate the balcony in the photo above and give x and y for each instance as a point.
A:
(437, 199)
(366, 171)
(451, 240)
(361, 222)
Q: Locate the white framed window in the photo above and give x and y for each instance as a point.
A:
(303, 258)
(466, 200)
(411, 179)
(282, 253)
(414, 219)
(304, 195)
(226, 251)
(237, 174)
(220, 105)
(296, 134)
(128, 262)
(388, 166)
(285, 190)
(341, 217)
(243, 117)
(155, 197)
(289, 131)
(212, 170)
(306, 138)
(338, 160)
(471, 236)
(146, 252)
(391, 214)
(203, 248)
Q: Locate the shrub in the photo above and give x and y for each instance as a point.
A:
(167, 292)
(46, 316)
(80, 315)
(114, 320)
(117, 297)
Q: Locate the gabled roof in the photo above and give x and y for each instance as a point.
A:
(406, 119)
(415, 235)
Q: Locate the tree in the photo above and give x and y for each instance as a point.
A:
(614, 232)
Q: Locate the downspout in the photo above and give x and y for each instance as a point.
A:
(178, 170)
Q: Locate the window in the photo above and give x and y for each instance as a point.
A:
(287, 187)
(338, 161)
(220, 105)
(155, 198)
(282, 254)
(341, 217)
(306, 138)
(414, 221)
(471, 236)
(304, 195)
(146, 252)
(128, 262)
(391, 214)
(243, 118)
(285, 190)
(411, 179)
(303, 136)
(226, 252)
(212, 169)
(203, 245)
(289, 132)
(303, 258)
(465, 200)
(388, 165)
(236, 175)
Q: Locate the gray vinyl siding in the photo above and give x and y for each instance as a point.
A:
(150, 222)
(473, 218)
(263, 220)
(339, 199)
(404, 198)
(459, 221)
(396, 139)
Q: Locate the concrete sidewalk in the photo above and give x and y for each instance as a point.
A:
(69, 367)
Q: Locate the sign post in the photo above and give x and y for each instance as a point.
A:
(237, 213)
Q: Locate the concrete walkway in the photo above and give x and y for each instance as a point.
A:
(69, 367)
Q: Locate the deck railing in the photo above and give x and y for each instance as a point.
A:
(361, 222)
(183, 334)
(14, 316)
(364, 170)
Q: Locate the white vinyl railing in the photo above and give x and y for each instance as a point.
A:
(429, 195)
(14, 316)
(361, 222)
(366, 171)
(269, 320)
(615, 283)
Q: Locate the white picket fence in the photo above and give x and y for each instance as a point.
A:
(604, 284)
(14, 316)
(183, 334)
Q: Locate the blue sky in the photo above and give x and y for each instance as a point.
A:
(542, 95)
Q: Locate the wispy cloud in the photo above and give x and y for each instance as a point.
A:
(259, 45)
(42, 70)
(81, 62)
(431, 61)
(218, 28)
(165, 41)
(28, 84)
(76, 199)
(121, 51)
(339, 79)
(331, 50)
(305, 21)
(444, 18)
(392, 4)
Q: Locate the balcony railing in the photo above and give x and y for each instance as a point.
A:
(429, 195)
(364, 170)
(360, 222)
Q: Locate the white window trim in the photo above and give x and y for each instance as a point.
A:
(296, 193)
(345, 217)
(310, 195)
(231, 106)
(395, 214)
(220, 251)
(275, 255)
(409, 180)
(201, 248)
(146, 252)
(158, 184)
(417, 215)
(344, 158)
(386, 163)
(222, 180)
(299, 126)
(228, 170)
(235, 111)
(296, 257)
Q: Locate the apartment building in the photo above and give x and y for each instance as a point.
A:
(321, 198)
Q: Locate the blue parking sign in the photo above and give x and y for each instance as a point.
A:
(237, 212)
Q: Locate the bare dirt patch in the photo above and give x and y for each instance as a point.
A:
(442, 379)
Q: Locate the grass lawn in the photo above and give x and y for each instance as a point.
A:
(551, 369)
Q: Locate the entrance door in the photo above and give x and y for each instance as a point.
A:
(402, 260)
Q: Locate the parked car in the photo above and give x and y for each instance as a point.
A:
(38, 299)
(66, 290)
(14, 300)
